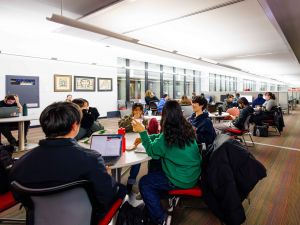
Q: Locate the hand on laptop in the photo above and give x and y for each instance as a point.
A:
(137, 126)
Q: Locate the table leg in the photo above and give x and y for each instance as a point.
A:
(116, 173)
(21, 136)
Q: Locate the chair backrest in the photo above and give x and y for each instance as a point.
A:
(60, 205)
(247, 122)
(153, 105)
(187, 110)
(114, 114)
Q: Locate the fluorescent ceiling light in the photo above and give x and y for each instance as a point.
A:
(209, 60)
(84, 26)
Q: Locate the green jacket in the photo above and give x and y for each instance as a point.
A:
(181, 166)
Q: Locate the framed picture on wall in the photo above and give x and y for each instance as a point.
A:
(62, 83)
(104, 84)
(84, 83)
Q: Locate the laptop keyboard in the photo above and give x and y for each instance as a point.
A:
(110, 160)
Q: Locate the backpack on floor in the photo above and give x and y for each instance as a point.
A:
(129, 215)
(261, 131)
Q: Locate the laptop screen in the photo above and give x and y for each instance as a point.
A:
(107, 144)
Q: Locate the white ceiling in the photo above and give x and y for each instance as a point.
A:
(238, 34)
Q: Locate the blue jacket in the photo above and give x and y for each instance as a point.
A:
(161, 104)
(205, 131)
(258, 101)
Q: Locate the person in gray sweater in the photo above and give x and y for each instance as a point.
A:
(270, 101)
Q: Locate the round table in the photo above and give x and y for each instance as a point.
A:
(216, 115)
(128, 158)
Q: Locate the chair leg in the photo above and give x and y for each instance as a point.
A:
(251, 138)
(173, 201)
(245, 143)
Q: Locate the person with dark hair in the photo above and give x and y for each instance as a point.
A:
(237, 122)
(162, 102)
(137, 112)
(204, 128)
(270, 101)
(259, 101)
(94, 112)
(59, 160)
(265, 113)
(69, 98)
(237, 96)
(87, 122)
(229, 103)
(6, 128)
(185, 100)
(177, 149)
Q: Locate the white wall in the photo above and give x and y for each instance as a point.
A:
(45, 69)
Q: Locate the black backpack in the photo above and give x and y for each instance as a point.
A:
(6, 162)
(129, 215)
(261, 131)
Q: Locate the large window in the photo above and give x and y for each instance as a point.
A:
(249, 85)
(168, 81)
(121, 74)
(263, 86)
(272, 87)
(179, 78)
(212, 82)
(198, 82)
(154, 78)
(189, 84)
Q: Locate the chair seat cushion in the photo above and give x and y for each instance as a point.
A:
(6, 201)
(235, 131)
(195, 192)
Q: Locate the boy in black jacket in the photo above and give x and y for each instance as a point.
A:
(59, 159)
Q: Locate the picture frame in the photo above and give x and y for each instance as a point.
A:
(62, 83)
(82, 83)
(105, 84)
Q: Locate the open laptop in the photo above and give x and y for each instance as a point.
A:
(7, 112)
(109, 146)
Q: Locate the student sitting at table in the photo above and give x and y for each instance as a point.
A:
(161, 103)
(177, 149)
(237, 122)
(87, 125)
(185, 100)
(265, 112)
(205, 131)
(6, 128)
(94, 112)
(125, 122)
(59, 160)
(259, 101)
(229, 103)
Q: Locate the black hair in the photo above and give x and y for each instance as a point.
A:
(229, 96)
(260, 95)
(272, 96)
(137, 105)
(237, 95)
(243, 100)
(200, 100)
(165, 95)
(10, 97)
(85, 101)
(57, 119)
(176, 129)
(79, 102)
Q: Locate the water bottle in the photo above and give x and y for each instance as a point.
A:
(121, 131)
(25, 110)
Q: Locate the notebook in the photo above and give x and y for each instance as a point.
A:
(109, 146)
(6, 112)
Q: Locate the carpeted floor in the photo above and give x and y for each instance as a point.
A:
(275, 200)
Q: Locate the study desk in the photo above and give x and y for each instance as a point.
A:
(216, 115)
(128, 158)
(21, 130)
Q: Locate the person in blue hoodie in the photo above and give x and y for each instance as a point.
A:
(258, 101)
(162, 103)
(205, 131)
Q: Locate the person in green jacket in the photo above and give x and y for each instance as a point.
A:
(178, 152)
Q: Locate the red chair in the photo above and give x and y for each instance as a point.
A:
(236, 133)
(7, 201)
(174, 197)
